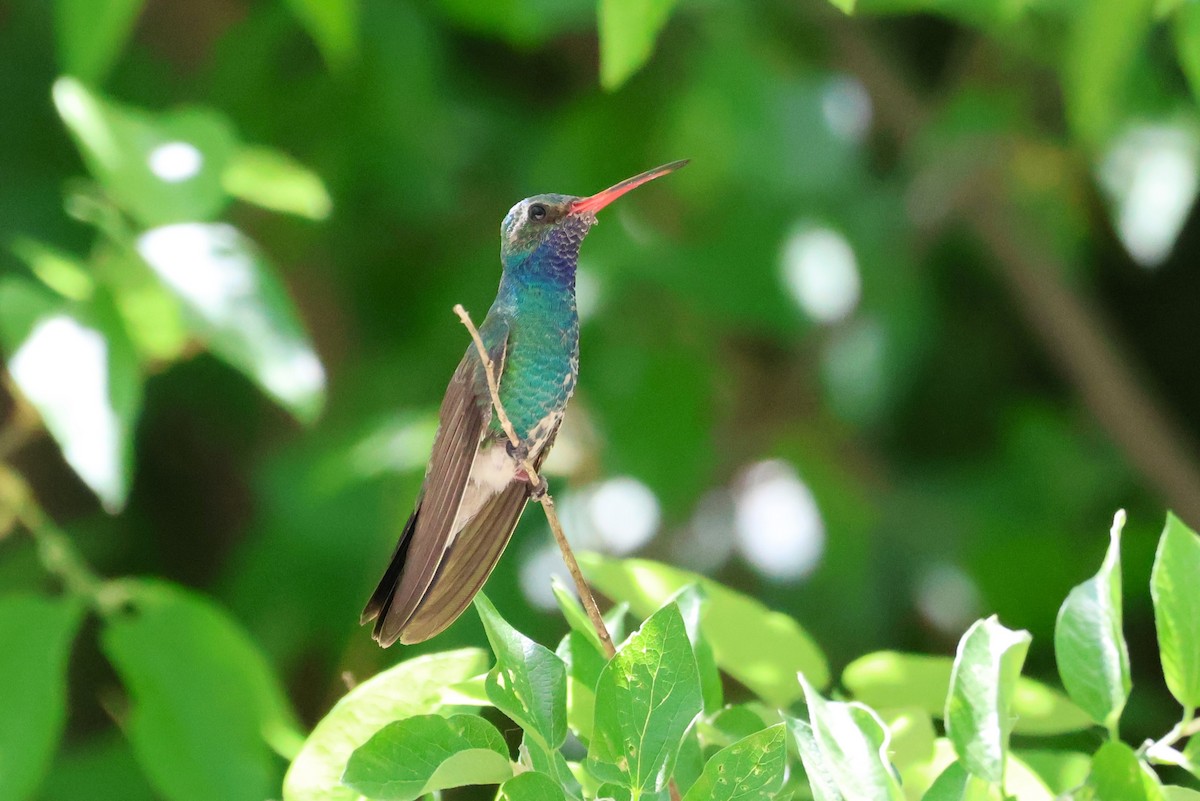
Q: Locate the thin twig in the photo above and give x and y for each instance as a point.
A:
(547, 502)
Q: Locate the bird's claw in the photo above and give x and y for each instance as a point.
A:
(538, 490)
(518, 452)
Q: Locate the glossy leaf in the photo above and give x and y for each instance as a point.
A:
(426, 753)
(240, 308)
(1175, 793)
(1173, 584)
(979, 707)
(628, 30)
(1118, 775)
(852, 746)
(1062, 771)
(1089, 643)
(531, 786)
(413, 687)
(91, 34)
(751, 768)
(37, 634)
(1104, 43)
(60, 271)
(583, 660)
(647, 697)
(529, 682)
(577, 618)
(894, 679)
(75, 365)
(201, 694)
(734, 624)
(821, 780)
(955, 784)
(160, 168)
(274, 181)
(690, 601)
(911, 748)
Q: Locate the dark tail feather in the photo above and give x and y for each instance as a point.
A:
(381, 599)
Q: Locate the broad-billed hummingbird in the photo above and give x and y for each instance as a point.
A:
(475, 488)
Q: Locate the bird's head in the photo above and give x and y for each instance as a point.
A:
(553, 226)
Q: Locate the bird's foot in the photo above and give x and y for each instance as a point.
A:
(538, 491)
(518, 452)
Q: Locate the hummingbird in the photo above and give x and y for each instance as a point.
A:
(475, 487)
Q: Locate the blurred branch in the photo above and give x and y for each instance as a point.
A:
(1069, 327)
(542, 493)
(23, 425)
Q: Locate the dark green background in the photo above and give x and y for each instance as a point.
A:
(965, 442)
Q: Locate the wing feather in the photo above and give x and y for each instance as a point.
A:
(468, 563)
(474, 554)
(465, 411)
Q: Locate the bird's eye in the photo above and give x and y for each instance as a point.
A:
(537, 212)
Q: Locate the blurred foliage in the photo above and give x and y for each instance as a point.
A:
(231, 233)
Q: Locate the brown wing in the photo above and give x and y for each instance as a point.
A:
(467, 565)
(463, 416)
(471, 559)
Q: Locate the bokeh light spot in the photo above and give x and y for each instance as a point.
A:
(175, 161)
(821, 273)
(1150, 174)
(778, 525)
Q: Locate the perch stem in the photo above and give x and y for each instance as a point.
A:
(545, 499)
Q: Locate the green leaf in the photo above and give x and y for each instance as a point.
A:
(410, 688)
(647, 697)
(424, 754)
(240, 308)
(1023, 783)
(333, 25)
(690, 601)
(1089, 644)
(201, 694)
(531, 786)
(1186, 27)
(1118, 775)
(160, 168)
(732, 723)
(583, 661)
(91, 34)
(751, 768)
(1174, 793)
(574, 612)
(821, 780)
(550, 761)
(955, 784)
(852, 746)
(979, 707)
(37, 634)
(529, 681)
(894, 679)
(60, 271)
(270, 179)
(1104, 42)
(912, 747)
(74, 363)
(1173, 584)
(735, 625)
(628, 29)
(1062, 771)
